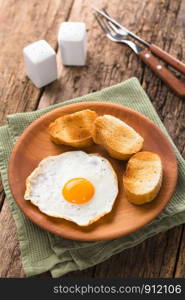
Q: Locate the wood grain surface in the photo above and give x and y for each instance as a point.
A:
(160, 22)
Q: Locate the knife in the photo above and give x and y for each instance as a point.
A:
(165, 56)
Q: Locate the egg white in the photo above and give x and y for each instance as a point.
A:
(44, 186)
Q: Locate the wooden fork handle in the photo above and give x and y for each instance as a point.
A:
(162, 72)
(165, 56)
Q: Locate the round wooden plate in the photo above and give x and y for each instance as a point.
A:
(35, 144)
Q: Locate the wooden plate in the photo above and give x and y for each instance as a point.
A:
(35, 144)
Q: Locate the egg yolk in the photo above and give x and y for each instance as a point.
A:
(78, 190)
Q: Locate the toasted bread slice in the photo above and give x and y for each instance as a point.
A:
(73, 129)
(143, 177)
(118, 138)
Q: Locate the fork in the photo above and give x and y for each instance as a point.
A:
(145, 55)
(160, 53)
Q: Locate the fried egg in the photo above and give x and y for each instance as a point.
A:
(75, 186)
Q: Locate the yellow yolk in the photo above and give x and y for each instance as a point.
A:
(78, 190)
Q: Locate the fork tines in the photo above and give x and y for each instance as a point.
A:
(104, 24)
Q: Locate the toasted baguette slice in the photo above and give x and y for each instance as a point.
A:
(73, 129)
(118, 138)
(143, 177)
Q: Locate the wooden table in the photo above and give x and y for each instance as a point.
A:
(161, 22)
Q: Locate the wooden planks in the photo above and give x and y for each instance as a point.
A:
(22, 22)
(27, 21)
(179, 270)
(160, 22)
(10, 263)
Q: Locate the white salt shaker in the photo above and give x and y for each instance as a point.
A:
(72, 42)
(40, 63)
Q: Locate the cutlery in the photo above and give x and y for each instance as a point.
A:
(145, 55)
(165, 56)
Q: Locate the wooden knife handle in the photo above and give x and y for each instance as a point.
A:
(165, 56)
(162, 72)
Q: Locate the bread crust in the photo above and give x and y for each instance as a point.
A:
(73, 129)
(118, 138)
(143, 177)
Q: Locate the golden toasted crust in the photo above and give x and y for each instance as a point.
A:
(73, 129)
(118, 138)
(143, 177)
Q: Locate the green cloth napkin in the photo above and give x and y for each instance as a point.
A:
(42, 251)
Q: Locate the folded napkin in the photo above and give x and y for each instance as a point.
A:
(42, 251)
